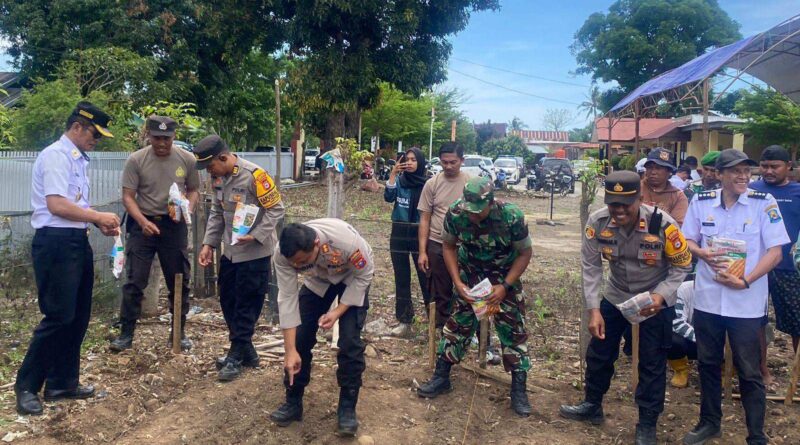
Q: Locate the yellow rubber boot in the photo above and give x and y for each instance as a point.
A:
(680, 367)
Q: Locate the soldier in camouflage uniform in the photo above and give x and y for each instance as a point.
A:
(494, 244)
(709, 181)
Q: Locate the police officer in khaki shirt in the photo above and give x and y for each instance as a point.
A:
(336, 263)
(245, 266)
(146, 179)
(646, 252)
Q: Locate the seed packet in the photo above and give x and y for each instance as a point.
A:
(479, 294)
(118, 257)
(243, 219)
(178, 205)
(734, 253)
(630, 308)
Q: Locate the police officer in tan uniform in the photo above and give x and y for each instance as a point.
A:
(244, 269)
(146, 179)
(646, 252)
(336, 263)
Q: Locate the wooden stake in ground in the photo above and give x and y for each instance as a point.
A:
(635, 348)
(432, 334)
(176, 314)
(795, 376)
(482, 341)
(727, 377)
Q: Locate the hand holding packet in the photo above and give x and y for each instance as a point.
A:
(178, 205)
(630, 308)
(479, 294)
(243, 219)
(734, 254)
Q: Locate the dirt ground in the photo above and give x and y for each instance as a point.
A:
(150, 396)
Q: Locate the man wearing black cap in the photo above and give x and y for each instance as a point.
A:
(146, 179)
(691, 162)
(245, 266)
(784, 280)
(656, 188)
(731, 290)
(63, 262)
(646, 252)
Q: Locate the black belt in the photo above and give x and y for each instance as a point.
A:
(157, 217)
(63, 232)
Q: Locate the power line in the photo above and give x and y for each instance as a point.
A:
(513, 90)
(563, 82)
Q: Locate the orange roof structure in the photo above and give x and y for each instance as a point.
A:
(625, 129)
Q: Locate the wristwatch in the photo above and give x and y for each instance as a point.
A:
(507, 287)
(746, 284)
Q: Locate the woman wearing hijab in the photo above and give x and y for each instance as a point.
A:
(404, 188)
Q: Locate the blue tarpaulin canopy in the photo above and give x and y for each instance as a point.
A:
(772, 56)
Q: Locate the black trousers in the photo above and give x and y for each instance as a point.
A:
(63, 265)
(242, 287)
(655, 339)
(171, 247)
(710, 330)
(403, 242)
(351, 348)
(440, 283)
(682, 347)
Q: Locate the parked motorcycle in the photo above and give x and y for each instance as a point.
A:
(385, 169)
(500, 182)
(560, 183)
(531, 184)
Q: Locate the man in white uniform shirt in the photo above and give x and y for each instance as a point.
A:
(728, 302)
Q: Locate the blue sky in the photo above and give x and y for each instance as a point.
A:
(533, 37)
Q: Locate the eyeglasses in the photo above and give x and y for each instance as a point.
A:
(95, 134)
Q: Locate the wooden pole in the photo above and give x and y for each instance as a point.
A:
(705, 117)
(795, 376)
(277, 177)
(453, 130)
(176, 314)
(483, 338)
(635, 347)
(636, 122)
(432, 334)
(727, 378)
(335, 186)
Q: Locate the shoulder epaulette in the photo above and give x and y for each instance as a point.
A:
(756, 194)
(710, 194)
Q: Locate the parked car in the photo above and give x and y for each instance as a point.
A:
(581, 165)
(510, 167)
(184, 145)
(520, 164)
(475, 165)
(558, 166)
(310, 159)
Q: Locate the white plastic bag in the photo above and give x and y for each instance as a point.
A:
(178, 205)
(243, 219)
(630, 308)
(479, 294)
(118, 256)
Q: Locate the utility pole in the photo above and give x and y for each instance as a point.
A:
(277, 132)
(706, 87)
(430, 144)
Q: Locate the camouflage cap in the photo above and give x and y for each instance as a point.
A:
(478, 193)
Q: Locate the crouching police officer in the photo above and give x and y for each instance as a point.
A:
(495, 245)
(245, 266)
(646, 252)
(337, 263)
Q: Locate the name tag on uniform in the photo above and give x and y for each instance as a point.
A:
(237, 197)
(709, 224)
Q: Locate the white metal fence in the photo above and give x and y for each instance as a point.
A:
(105, 176)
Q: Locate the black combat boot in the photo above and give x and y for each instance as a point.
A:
(439, 383)
(250, 356)
(347, 424)
(233, 364)
(645, 434)
(125, 339)
(585, 411)
(290, 410)
(519, 393)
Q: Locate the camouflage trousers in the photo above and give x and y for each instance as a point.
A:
(509, 323)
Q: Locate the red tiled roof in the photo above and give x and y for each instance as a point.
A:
(625, 129)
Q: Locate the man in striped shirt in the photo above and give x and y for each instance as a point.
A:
(684, 347)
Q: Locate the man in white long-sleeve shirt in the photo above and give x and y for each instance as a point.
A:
(336, 263)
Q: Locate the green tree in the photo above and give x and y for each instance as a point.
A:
(516, 124)
(726, 104)
(581, 134)
(398, 117)
(510, 145)
(770, 118)
(639, 39)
